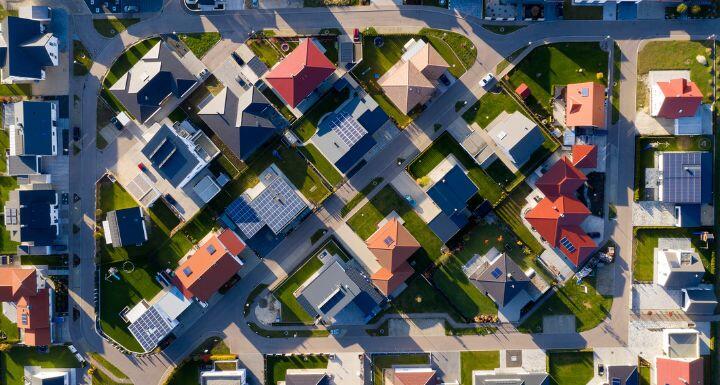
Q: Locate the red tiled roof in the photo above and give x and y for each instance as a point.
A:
(681, 98)
(679, 372)
(19, 285)
(561, 179)
(584, 155)
(582, 245)
(300, 72)
(392, 244)
(17, 282)
(523, 91)
(388, 281)
(206, 270)
(232, 242)
(415, 378)
(585, 105)
(37, 337)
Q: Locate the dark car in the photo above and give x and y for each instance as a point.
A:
(76, 133)
(170, 199)
(238, 59)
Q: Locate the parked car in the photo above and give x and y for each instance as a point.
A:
(356, 35)
(487, 82)
(238, 59)
(76, 133)
(141, 167)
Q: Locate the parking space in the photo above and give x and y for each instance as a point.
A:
(559, 324)
(123, 6)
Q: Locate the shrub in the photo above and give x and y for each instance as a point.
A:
(681, 8)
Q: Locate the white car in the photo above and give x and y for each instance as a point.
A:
(487, 82)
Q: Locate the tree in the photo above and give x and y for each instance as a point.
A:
(681, 8)
(695, 9)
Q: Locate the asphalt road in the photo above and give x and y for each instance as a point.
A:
(225, 319)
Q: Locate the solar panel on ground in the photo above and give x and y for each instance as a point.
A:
(347, 128)
(150, 328)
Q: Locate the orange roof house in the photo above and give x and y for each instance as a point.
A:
(300, 73)
(211, 266)
(561, 179)
(20, 285)
(585, 105)
(392, 245)
(415, 376)
(679, 371)
(584, 155)
(677, 98)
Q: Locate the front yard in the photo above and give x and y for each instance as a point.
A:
(188, 372)
(558, 65)
(200, 43)
(654, 56)
(380, 362)
(10, 329)
(81, 59)
(131, 56)
(13, 362)
(470, 361)
(112, 26)
(277, 366)
(570, 367)
(646, 240)
(488, 107)
(292, 311)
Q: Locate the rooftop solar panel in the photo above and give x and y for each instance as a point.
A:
(244, 217)
(682, 177)
(567, 244)
(150, 328)
(496, 273)
(347, 128)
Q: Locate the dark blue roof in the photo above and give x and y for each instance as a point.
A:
(373, 120)
(452, 192)
(355, 153)
(37, 128)
(444, 227)
(130, 226)
(332, 301)
(23, 59)
(687, 177)
(170, 156)
(690, 215)
(34, 216)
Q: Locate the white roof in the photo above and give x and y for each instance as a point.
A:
(173, 303)
(206, 188)
(136, 311)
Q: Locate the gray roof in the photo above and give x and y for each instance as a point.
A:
(512, 379)
(27, 216)
(23, 165)
(502, 280)
(517, 135)
(243, 123)
(700, 301)
(33, 120)
(127, 227)
(156, 76)
(686, 177)
(25, 54)
(623, 375)
(306, 379)
(170, 156)
(682, 345)
(687, 270)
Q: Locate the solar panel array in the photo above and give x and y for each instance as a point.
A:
(682, 177)
(567, 244)
(276, 207)
(348, 128)
(150, 328)
(496, 273)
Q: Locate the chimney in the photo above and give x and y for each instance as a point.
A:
(509, 276)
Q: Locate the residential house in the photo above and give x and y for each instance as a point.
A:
(518, 377)
(685, 177)
(392, 245)
(27, 47)
(305, 377)
(242, 122)
(156, 78)
(210, 266)
(414, 375)
(223, 376)
(32, 131)
(31, 217)
(585, 156)
(300, 73)
(451, 191)
(501, 279)
(339, 294)
(558, 216)
(252, 68)
(36, 375)
(125, 227)
(699, 300)
(151, 323)
(677, 269)
(681, 363)
(27, 289)
(585, 105)
(414, 80)
(622, 375)
(675, 98)
(517, 136)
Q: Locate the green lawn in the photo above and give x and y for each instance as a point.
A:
(112, 26)
(279, 104)
(10, 329)
(508, 59)
(617, 60)
(510, 212)
(558, 64)
(292, 311)
(499, 172)
(128, 59)
(7, 184)
(350, 205)
(365, 221)
(306, 126)
(112, 369)
(13, 361)
(277, 366)
(188, 372)
(470, 361)
(420, 297)
(381, 362)
(265, 51)
(654, 56)
(570, 367)
(439, 150)
(330, 45)
(581, 12)
(163, 216)
(646, 240)
(331, 174)
(485, 110)
(470, 302)
(200, 43)
(457, 50)
(81, 59)
(36, 260)
(99, 377)
(589, 309)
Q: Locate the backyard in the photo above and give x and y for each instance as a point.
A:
(646, 240)
(131, 56)
(292, 311)
(112, 26)
(444, 145)
(470, 361)
(570, 367)
(510, 211)
(350, 205)
(265, 51)
(322, 164)
(380, 362)
(653, 56)
(188, 371)
(456, 49)
(306, 126)
(276, 366)
(558, 65)
(10, 329)
(200, 43)
(81, 59)
(13, 361)
(488, 107)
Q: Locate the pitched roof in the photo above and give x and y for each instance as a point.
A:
(406, 86)
(300, 72)
(306, 379)
(25, 54)
(561, 179)
(19, 285)
(34, 128)
(517, 135)
(392, 244)
(208, 268)
(681, 98)
(426, 377)
(17, 282)
(626, 374)
(33, 312)
(585, 105)
(679, 371)
(502, 280)
(429, 62)
(584, 155)
(686, 177)
(127, 227)
(388, 281)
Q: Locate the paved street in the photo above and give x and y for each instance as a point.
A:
(225, 319)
